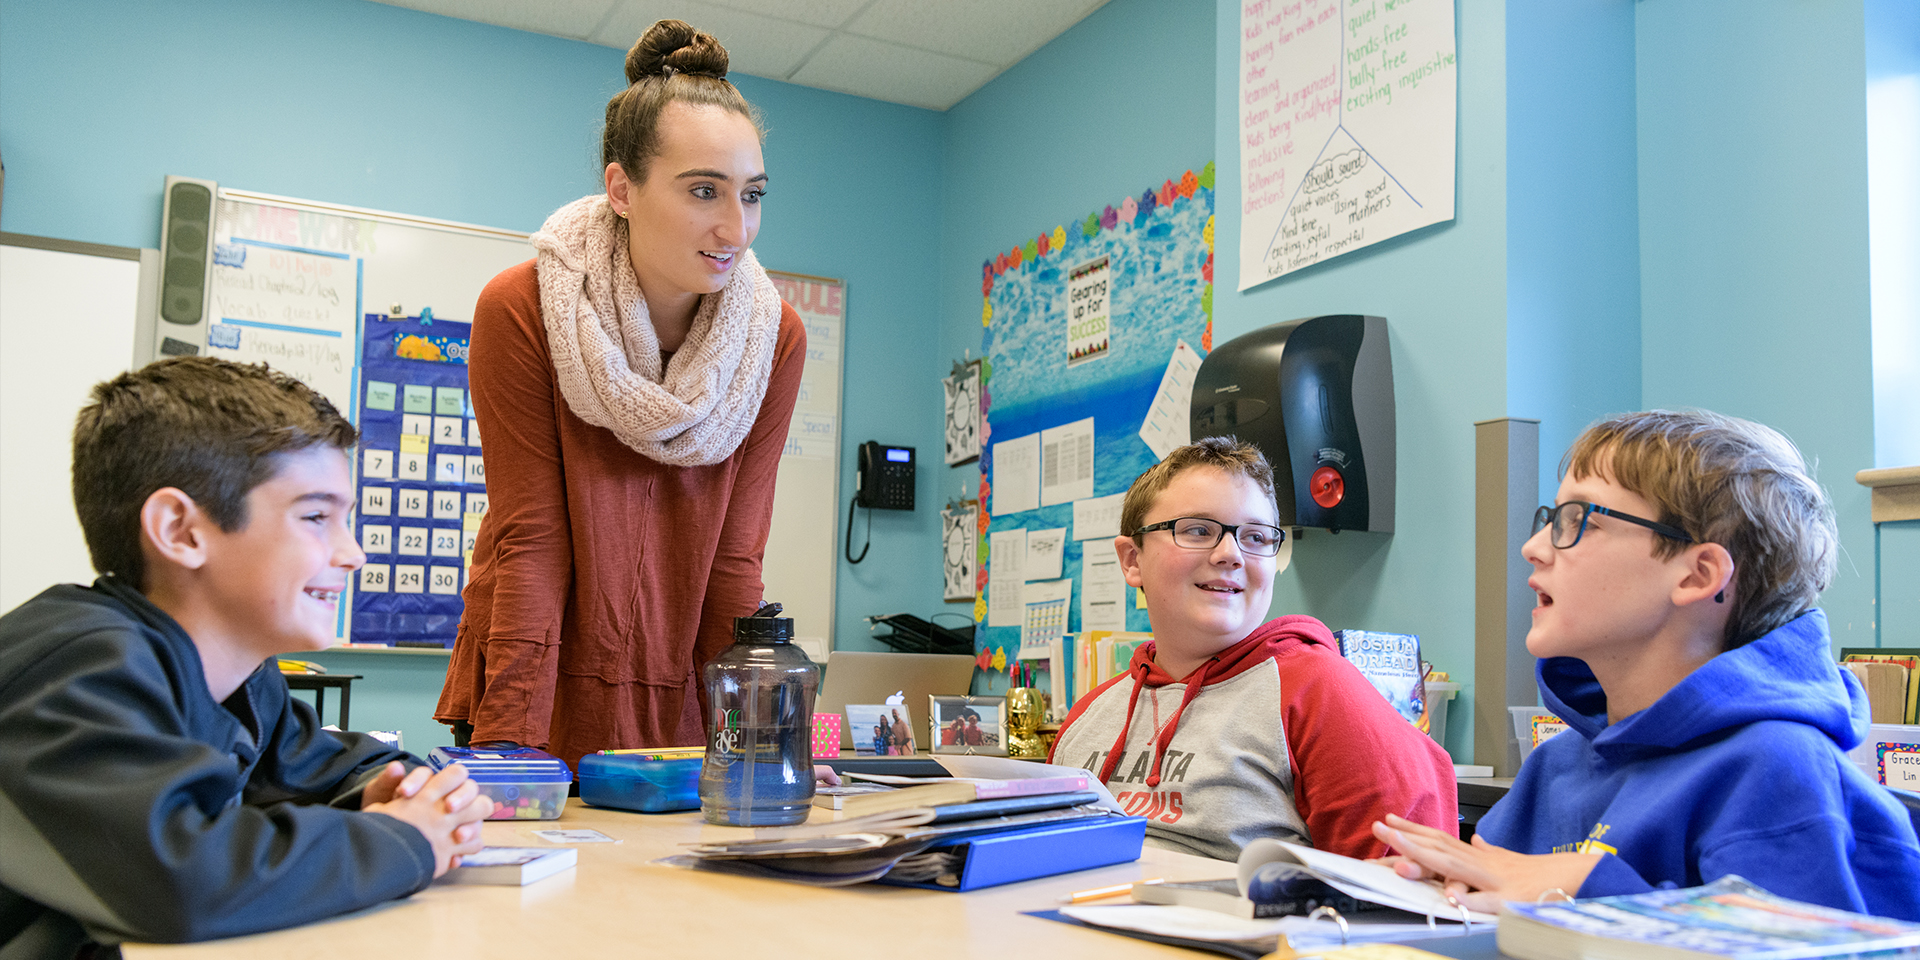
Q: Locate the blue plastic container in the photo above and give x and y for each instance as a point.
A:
(627, 782)
(525, 784)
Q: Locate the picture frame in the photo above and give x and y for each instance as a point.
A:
(881, 729)
(967, 725)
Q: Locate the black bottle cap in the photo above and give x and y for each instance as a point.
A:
(765, 626)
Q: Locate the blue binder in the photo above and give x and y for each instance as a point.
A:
(1007, 856)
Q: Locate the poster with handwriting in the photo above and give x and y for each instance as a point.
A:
(1346, 127)
(814, 432)
(289, 307)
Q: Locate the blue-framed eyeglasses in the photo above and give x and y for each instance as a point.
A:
(1569, 522)
(1199, 533)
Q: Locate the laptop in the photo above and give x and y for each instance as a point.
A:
(864, 677)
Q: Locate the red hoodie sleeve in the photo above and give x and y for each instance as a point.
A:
(1355, 760)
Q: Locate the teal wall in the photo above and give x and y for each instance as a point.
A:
(1443, 291)
(375, 106)
(1657, 203)
(1753, 239)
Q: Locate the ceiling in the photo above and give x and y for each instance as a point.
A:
(922, 53)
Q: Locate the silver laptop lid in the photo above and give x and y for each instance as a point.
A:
(867, 677)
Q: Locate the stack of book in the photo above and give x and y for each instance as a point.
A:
(961, 833)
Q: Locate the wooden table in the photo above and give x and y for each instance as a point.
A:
(618, 903)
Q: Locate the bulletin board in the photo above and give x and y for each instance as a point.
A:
(1093, 332)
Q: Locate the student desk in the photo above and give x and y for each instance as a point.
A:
(615, 903)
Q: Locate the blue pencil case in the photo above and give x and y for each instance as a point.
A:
(626, 782)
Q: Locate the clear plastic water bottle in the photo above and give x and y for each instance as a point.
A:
(759, 765)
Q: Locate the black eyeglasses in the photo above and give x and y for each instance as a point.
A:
(1569, 522)
(1199, 533)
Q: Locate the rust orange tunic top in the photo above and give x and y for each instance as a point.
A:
(602, 581)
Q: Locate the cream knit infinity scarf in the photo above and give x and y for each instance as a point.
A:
(699, 409)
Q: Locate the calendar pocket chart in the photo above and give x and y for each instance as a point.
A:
(422, 480)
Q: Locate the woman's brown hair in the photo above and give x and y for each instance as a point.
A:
(670, 62)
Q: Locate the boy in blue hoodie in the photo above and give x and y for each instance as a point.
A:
(1708, 722)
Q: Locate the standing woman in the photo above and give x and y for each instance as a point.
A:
(633, 383)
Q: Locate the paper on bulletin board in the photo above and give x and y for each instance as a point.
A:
(293, 309)
(1097, 517)
(1016, 475)
(1088, 310)
(1103, 591)
(1045, 551)
(1066, 462)
(963, 414)
(958, 530)
(1168, 426)
(1006, 563)
(1045, 604)
(1347, 112)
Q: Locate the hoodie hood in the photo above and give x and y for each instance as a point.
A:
(1788, 674)
(1266, 642)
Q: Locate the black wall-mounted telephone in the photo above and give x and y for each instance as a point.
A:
(885, 478)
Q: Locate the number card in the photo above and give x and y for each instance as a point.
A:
(473, 433)
(477, 503)
(476, 469)
(416, 425)
(413, 541)
(449, 468)
(412, 503)
(376, 465)
(373, 578)
(413, 466)
(376, 501)
(446, 504)
(409, 578)
(446, 542)
(447, 431)
(469, 535)
(376, 538)
(446, 580)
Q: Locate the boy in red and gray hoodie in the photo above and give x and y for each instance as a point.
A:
(1225, 728)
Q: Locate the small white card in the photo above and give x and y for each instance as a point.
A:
(446, 505)
(416, 424)
(449, 468)
(412, 503)
(409, 578)
(476, 469)
(574, 836)
(376, 538)
(446, 542)
(376, 465)
(373, 578)
(413, 466)
(413, 541)
(376, 501)
(446, 580)
(449, 431)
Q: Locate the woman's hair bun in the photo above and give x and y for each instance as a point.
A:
(676, 44)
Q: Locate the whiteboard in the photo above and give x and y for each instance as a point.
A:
(67, 322)
(801, 560)
(295, 255)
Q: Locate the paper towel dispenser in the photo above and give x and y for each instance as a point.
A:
(1316, 396)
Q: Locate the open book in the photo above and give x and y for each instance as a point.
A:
(1419, 910)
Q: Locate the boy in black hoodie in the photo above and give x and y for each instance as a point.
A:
(157, 780)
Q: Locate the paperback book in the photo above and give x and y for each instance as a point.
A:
(1729, 918)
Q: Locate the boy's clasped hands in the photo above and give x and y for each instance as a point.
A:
(446, 807)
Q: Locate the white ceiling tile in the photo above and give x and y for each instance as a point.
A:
(1001, 32)
(572, 19)
(820, 13)
(756, 45)
(889, 71)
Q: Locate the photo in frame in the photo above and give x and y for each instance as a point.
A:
(881, 730)
(974, 725)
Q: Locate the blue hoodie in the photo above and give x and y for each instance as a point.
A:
(1741, 768)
